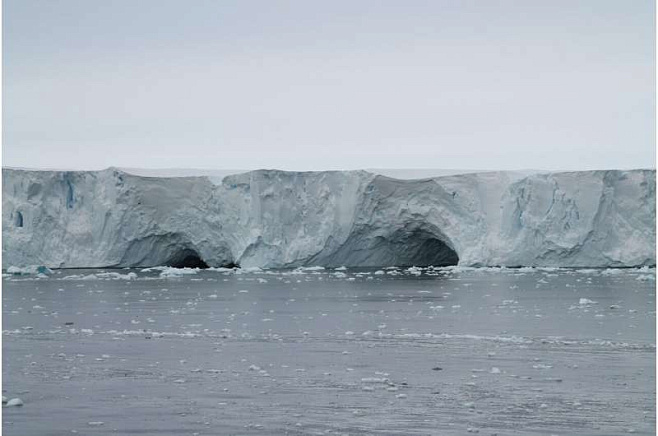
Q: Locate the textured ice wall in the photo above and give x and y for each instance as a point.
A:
(273, 218)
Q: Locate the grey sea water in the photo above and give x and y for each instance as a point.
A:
(445, 351)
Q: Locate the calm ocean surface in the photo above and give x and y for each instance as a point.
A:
(445, 351)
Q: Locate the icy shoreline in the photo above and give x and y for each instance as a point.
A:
(269, 218)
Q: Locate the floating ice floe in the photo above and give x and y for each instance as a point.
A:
(101, 276)
(117, 276)
(374, 380)
(249, 270)
(29, 270)
(221, 269)
(15, 402)
(542, 366)
(415, 271)
(177, 272)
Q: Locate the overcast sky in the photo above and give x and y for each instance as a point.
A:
(349, 84)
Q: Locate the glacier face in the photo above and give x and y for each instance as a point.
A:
(270, 218)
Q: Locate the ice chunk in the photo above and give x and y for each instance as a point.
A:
(29, 270)
(15, 402)
(177, 272)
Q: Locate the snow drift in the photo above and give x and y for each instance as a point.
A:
(271, 218)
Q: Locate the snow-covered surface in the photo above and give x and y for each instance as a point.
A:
(272, 218)
(396, 173)
(429, 173)
(214, 175)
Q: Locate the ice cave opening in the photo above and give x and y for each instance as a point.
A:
(409, 244)
(422, 248)
(416, 247)
(19, 219)
(187, 258)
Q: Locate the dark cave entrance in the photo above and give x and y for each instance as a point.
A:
(416, 247)
(412, 244)
(432, 251)
(19, 219)
(187, 258)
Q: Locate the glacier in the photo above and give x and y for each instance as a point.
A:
(271, 218)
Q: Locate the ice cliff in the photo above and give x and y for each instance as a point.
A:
(273, 218)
